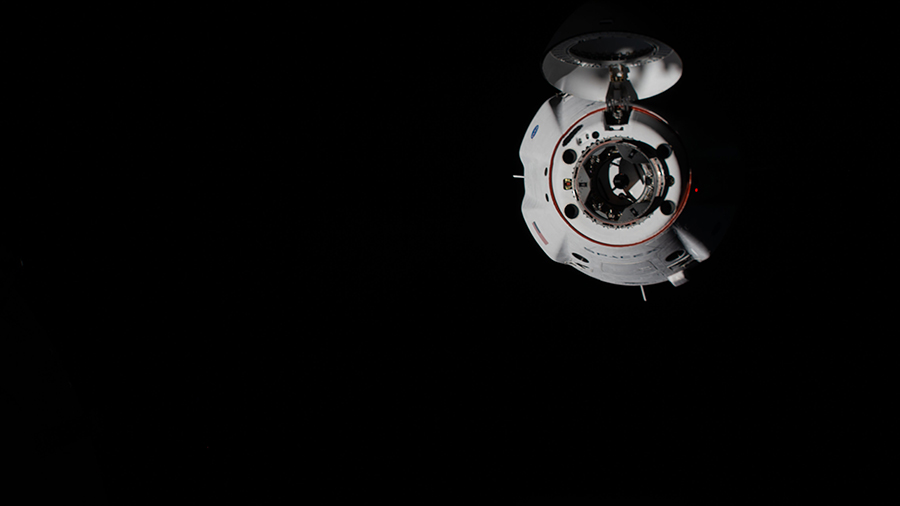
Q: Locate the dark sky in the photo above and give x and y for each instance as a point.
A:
(242, 254)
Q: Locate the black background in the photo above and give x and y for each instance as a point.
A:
(244, 256)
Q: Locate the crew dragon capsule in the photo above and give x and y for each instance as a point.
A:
(605, 178)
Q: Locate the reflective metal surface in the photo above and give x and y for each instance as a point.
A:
(582, 66)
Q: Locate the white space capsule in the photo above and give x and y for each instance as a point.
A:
(605, 178)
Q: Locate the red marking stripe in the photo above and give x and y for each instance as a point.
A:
(536, 229)
(685, 194)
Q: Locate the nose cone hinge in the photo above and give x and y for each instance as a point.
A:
(619, 97)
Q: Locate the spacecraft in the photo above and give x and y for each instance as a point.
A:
(606, 179)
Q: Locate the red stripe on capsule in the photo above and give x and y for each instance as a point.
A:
(684, 195)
